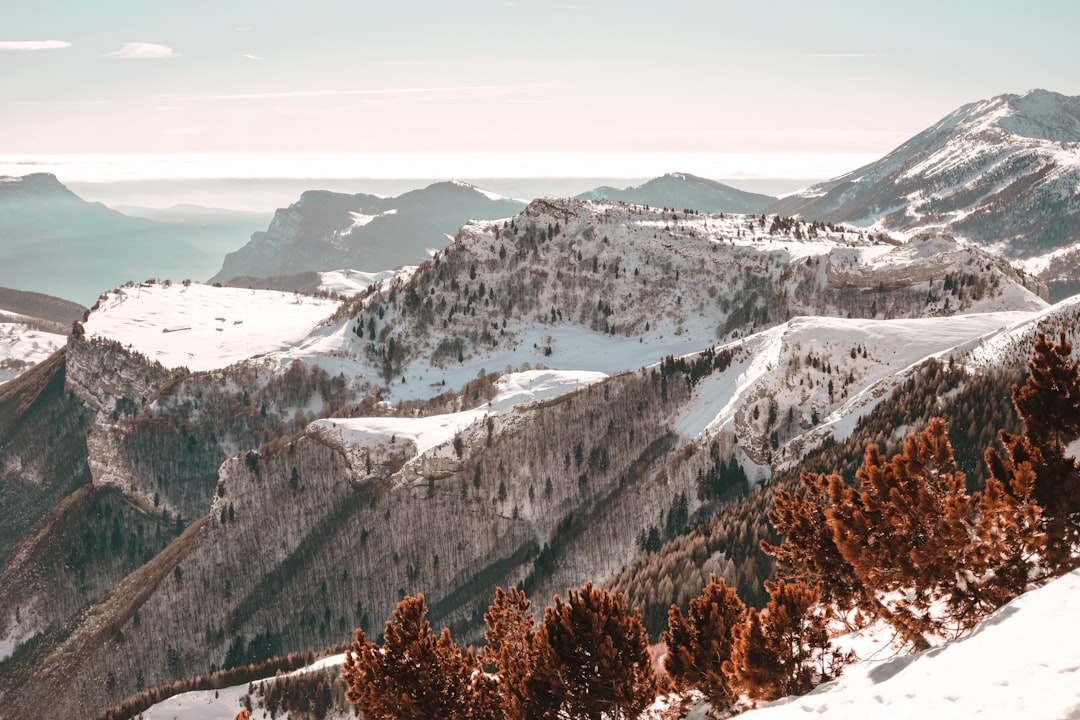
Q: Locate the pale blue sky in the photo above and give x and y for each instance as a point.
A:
(678, 76)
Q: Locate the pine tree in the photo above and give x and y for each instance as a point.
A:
(415, 675)
(592, 660)
(909, 544)
(698, 644)
(1049, 405)
(784, 649)
(910, 532)
(808, 552)
(511, 649)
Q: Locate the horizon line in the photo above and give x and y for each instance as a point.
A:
(121, 167)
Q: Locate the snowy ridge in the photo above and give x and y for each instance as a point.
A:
(350, 282)
(431, 435)
(816, 376)
(1003, 173)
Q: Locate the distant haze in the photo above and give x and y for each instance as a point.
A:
(263, 182)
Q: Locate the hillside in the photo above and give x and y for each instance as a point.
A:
(683, 191)
(329, 231)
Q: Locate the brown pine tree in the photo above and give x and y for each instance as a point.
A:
(784, 649)
(808, 552)
(592, 660)
(698, 644)
(916, 538)
(909, 539)
(415, 675)
(511, 649)
(1049, 404)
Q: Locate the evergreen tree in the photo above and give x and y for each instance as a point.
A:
(700, 643)
(511, 649)
(1049, 405)
(592, 660)
(909, 544)
(784, 649)
(415, 675)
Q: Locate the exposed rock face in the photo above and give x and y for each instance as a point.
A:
(328, 231)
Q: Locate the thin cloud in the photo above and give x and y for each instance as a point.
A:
(252, 57)
(141, 50)
(29, 45)
(181, 131)
(845, 55)
(434, 93)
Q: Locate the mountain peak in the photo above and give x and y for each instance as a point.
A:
(1001, 172)
(683, 190)
(32, 184)
(1043, 115)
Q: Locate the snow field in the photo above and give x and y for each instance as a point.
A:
(205, 328)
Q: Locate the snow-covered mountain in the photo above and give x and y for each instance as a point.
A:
(515, 410)
(57, 243)
(327, 231)
(681, 191)
(1003, 173)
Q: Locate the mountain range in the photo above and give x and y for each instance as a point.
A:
(606, 389)
(138, 549)
(681, 191)
(57, 243)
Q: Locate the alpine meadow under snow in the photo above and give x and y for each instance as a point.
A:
(671, 411)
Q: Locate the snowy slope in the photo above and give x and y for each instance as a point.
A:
(22, 345)
(1021, 662)
(429, 436)
(858, 362)
(1003, 172)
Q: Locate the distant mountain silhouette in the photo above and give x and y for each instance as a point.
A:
(682, 191)
(328, 231)
(57, 243)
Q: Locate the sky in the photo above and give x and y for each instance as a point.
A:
(805, 80)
